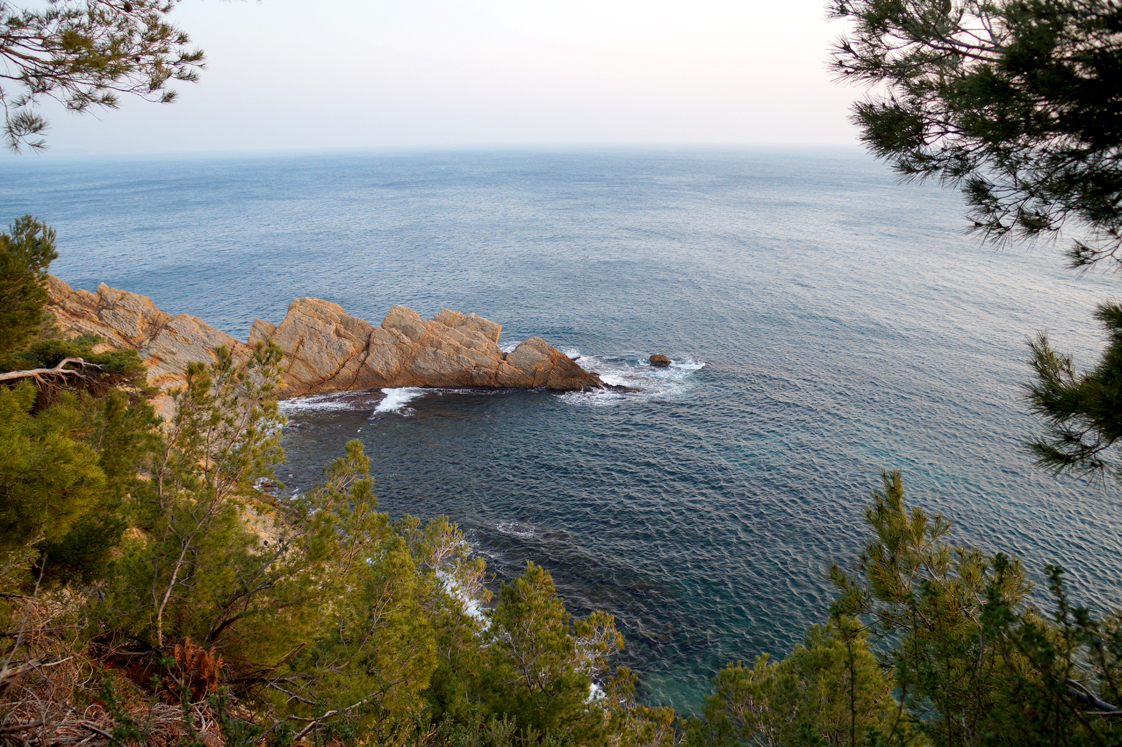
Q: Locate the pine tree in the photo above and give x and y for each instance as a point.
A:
(83, 54)
(1016, 102)
(71, 440)
(829, 690)
(25, 253)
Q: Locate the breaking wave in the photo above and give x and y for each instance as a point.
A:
(397, 400)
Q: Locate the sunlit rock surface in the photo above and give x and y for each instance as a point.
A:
(325, 348)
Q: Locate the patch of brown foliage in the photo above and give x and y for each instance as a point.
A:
(195, 674)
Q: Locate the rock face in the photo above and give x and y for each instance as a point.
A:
(166, 343)
(325, 348)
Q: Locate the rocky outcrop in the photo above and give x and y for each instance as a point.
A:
(659, 361)
(325, 348)
(165, 343)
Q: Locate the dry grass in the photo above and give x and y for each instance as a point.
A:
(53, 693)
(39, 716)
(59, 689)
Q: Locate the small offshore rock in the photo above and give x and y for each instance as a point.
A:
(660, 361)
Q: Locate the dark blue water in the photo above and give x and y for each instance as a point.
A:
(825, 322)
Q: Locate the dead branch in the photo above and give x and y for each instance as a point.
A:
(10, 674)
(59, 370)
(95, 730)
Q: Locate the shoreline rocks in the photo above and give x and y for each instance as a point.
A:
(325, 348)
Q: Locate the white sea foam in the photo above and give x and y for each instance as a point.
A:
(397, 400)
(517, 529)
(635, 371)
(387, 401)
(508, 347)
(336, 401)
(471, 605)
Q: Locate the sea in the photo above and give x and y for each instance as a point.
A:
(825, 322)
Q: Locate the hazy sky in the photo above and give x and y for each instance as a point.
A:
(424, 73)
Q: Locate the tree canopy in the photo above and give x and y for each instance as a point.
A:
(84, 54)
(1017, 102)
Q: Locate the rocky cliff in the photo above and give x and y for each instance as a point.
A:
(325, 348)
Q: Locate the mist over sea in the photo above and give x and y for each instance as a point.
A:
(825, 322)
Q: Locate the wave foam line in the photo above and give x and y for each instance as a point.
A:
(315, 403)
(471, 605)
(635, 372)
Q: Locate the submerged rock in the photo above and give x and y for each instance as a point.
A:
(325, 348)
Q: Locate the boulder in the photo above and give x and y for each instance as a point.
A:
(325, 348)
(660, 361)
